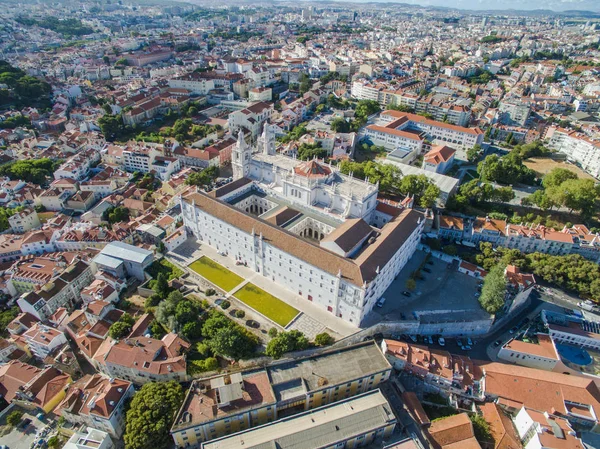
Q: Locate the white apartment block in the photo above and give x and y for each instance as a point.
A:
(251, 119)
(578, 148)
(42, 340)
(97, 401)
(513, 113)
(147, 159)
(24, 221)
(195, 85)
(331, 255)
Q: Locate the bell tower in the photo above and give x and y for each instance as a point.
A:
(240, 157)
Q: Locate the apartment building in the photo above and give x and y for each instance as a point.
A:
(42, 340)
(23, 221)
(442, 371)
(97, 401)
(545, 430)
(143, 359)
(90, 439)
(362, 420)
(222, 405)
(578, 147)
(574, 398)
(250, 120)
(527, 238)
(513, 113)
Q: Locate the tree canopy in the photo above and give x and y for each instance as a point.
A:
(35, 171)
(493, 292)
(23, 90)
(151, 415)
(293, 340)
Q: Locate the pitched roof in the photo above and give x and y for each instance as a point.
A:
(453, 432)
(521, 384)
(357, 271)
(501, 427)
(349, 234)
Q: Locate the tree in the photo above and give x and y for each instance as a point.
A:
(112, 126)
(286, 342)
(305, 83)
(481, 429)
(493, 291)
(557, 176)
(151, 414)
(324, 339)
(161, 287)
(119, 330)
(451, 250)
(14, 418)
(116, 214)
(473, 153)
(411, 284)
(366, 108)
(234, 342)
(273, 332)
(309, 151)
(54, 442)
(339, 125)
(203, 178)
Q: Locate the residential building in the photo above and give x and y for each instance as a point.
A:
(442, 371)
(31, 386)
(42, 340)
(143, 359)
(90, 439)
(250, 120)
(453, 431)
(23, 221)
(513, 113)
(221, 405)
(97, 401)
(578, 147)
(574, 398)
(362, 420)
(545, 430)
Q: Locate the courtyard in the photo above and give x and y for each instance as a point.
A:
(216, 274)
(266, 304)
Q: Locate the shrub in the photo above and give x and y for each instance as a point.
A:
(225, 305)
(240, 313)
(411, 284)
(324, 339)
(210, 292)
(14, 418)
(273, 332)
(152, 301)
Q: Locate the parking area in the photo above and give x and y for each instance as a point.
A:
(28, 437)
(442, 291)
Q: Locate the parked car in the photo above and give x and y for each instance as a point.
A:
(430, 340)
(466, 348)
(442, 342)
(430, 262)
(469, 342)
(381, 302)
(514, 329)
(406, 293)
(426, 270)
(497, 343)
(459, 342)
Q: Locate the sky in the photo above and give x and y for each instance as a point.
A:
(555, 5)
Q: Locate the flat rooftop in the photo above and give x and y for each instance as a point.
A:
(322, 427)
(335, 367)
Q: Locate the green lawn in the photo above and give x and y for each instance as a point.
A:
(215, 273)
(267, 304)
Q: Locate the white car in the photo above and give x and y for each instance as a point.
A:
(381, 302)
(442, 342)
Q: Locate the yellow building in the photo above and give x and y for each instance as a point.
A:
(357, 421)
(219, 406)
